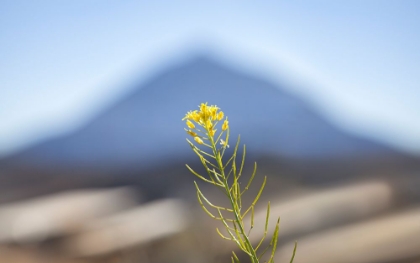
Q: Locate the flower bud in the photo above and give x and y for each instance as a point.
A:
(198, 140)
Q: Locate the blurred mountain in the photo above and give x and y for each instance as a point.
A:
(144, 131)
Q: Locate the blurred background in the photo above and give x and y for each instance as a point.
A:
(325, 94)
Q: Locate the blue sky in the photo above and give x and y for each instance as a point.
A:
(62, 61)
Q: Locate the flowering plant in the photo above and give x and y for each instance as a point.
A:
(210, 146)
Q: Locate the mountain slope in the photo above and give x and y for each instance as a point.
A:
(140, 140)
(146, 126)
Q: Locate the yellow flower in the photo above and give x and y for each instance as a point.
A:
(213, 112)
(190, 124)
(195, 116)
(192, 115)
(225, 125)
(205, 117)
(209, 125)
(203, 107)
(212, 132)
(188, 115)
(203, 112)
(190, 132)
(220, 116)
(198, 140)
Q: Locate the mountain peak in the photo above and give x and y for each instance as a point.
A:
(146, 126)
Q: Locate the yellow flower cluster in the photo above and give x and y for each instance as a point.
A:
(207, 117)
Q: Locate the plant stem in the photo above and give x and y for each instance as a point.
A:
(236, 211)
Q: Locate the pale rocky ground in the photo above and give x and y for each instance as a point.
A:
(360, 222)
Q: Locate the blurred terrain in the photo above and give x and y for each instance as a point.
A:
(117, 189)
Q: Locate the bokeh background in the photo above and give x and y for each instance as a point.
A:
(325, 94)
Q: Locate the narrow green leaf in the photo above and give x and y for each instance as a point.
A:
(265, 228)
(250, 179)
(238, 235)
(228, 162)
(218, 178)
(206, 210)
(294, 253)
(274, 241)
(218, 137)
(235, 257)
(238, 196)
(257, 197)
(230, 172)
(220, 234)
(265, 250)
(267, 217)
(235, 151)
(252, 217)
(227, 142)
(242, 162)
(200, 176)
(209, 203)
(260, 191)
(209, 173)
(252, 222)
(195, 149)
(201, 202)
(232, 235)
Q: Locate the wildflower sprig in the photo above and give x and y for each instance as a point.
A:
(210, 146)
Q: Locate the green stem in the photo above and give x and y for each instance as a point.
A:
(236, 212)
